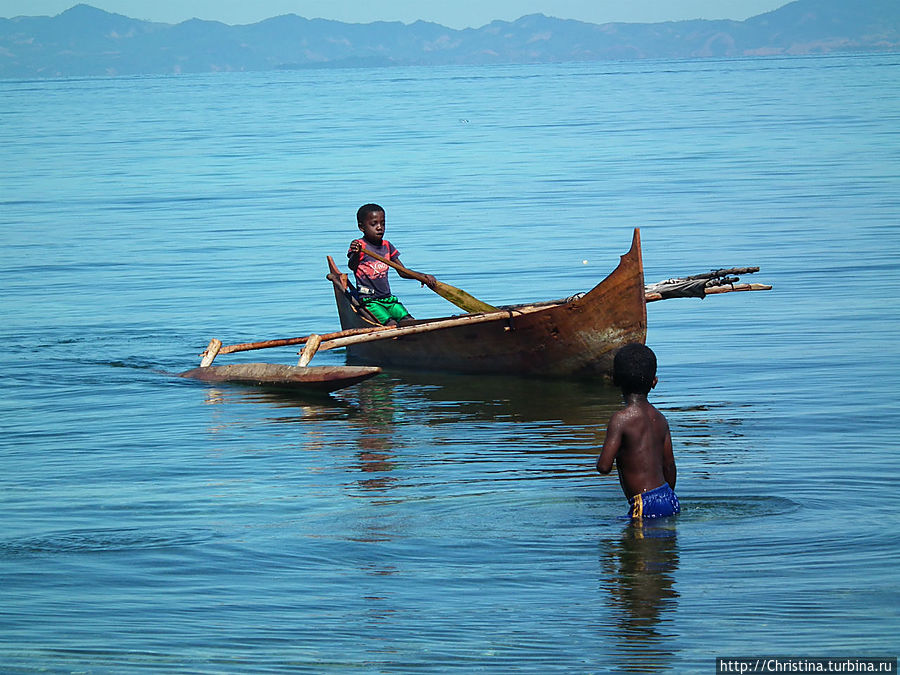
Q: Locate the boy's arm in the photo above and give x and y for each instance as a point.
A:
(354, 254)
(429, 280)
(669, 471)
(611, 445)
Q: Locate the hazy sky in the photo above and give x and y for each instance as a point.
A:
(452, 13)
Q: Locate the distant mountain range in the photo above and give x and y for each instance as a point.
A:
(84, 41)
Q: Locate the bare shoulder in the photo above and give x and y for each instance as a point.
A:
(658, 417)
(636, 412)
(623, 417)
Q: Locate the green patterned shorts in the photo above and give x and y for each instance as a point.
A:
(385, 309)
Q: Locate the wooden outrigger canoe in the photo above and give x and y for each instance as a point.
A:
(576, 337)
(573, 338)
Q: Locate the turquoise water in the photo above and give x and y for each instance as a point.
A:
(425, 523)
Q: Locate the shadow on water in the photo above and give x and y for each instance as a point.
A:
(638, 576)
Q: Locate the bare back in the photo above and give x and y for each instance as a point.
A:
(639, 441)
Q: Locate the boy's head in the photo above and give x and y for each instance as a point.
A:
(365, 210)
(634, 369)
(370, 220)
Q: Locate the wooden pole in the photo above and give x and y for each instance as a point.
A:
(211, 352)
(288, 342)
(715, 290)
(309, 350)
(415, 329)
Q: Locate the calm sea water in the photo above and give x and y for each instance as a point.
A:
(426, 523)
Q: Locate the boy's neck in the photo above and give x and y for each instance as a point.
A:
(373, 242)
(634, 398)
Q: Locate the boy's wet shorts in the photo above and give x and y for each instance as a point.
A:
(657, 503)
(385, 309)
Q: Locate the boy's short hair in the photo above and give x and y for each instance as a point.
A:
(634, 368)
(365, 210)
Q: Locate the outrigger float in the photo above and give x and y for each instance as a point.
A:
(572, 338)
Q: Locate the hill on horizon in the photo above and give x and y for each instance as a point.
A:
(85, 41)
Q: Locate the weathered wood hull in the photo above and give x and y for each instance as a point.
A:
(321, 379)
(572, 339)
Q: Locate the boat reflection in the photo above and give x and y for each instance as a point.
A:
(308, 403)
(578, 409)
(235, 406)
(375, 437)
(639, 569)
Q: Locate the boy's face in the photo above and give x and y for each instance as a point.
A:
(372, 227)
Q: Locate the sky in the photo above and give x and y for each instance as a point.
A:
(451, 13)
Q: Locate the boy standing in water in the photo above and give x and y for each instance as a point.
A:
(372, 275)
(638, 439)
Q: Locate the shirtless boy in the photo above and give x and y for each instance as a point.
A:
(638, 439)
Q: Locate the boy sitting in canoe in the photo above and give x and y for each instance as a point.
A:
(638, 439)
(371, 275)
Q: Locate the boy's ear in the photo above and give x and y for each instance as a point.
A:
(655, 382)
(360, 226)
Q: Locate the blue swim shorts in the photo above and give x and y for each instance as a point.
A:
(656, 503)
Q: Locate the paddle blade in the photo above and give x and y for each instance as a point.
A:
(462, 299)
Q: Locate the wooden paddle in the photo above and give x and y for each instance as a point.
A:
(455, 295)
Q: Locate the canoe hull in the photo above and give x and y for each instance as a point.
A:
(570, 339)
(322, 379)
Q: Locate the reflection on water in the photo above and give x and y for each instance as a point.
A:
(517, 399)
(639, 568)
(308, 403)
(569, 414)
(375, 441)
(294, 407)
